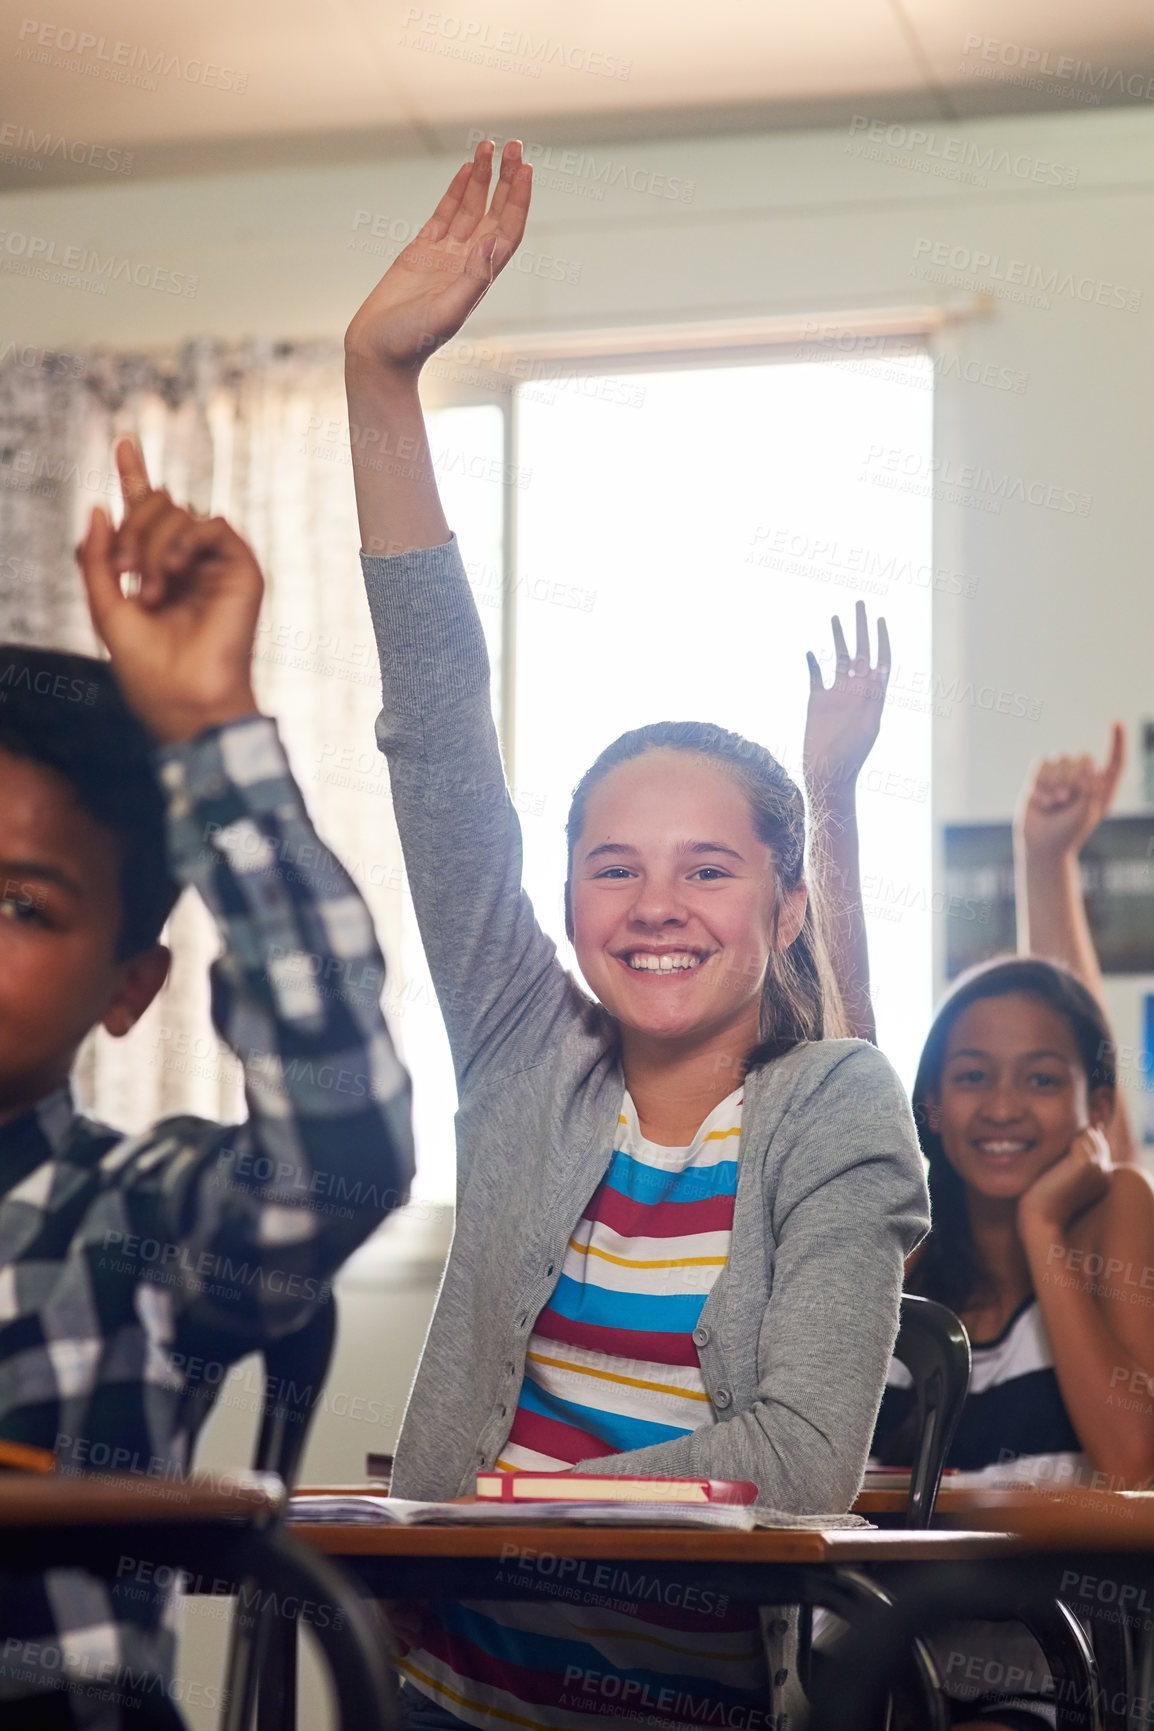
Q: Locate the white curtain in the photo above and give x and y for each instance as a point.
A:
(257, 433)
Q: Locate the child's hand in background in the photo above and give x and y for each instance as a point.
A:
(843, 719)
(430, 289)
(1066, 799)
(181, 645)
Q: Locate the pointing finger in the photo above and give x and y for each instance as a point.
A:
(1115, 762)
(135, 485)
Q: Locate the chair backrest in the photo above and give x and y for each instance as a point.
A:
(933, 1345)
(295, 1369)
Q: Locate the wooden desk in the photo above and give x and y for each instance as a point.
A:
(1122, 1520)
(41, 1499)
(839, 1545)
(785, 1566)
(1092, 1549)
(59, 1521)
(218, 1533)
(1118, 1521)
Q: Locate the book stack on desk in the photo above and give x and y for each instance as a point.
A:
(559, 1499)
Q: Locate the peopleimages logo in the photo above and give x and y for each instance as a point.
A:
(70, 50)
(1016, 279)
(25, 147)
(37, 255)
(510, 49)
(954, 157)
(1022, 64)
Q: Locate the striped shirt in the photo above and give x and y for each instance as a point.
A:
(612, 1365)
(1014, 1427)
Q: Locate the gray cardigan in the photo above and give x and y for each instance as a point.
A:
(796, 1335)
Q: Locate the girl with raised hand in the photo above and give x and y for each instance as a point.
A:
(841, 726)
(1039, 1243)
(682, 1211)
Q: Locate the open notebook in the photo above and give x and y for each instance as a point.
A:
(370, 1510)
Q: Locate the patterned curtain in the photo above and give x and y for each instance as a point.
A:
(256, 432)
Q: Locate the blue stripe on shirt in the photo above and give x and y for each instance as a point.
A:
(642, 1183)
(535, 1651)
(646, 1313)
(616, 1428)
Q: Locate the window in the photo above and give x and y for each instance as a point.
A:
(682, 537)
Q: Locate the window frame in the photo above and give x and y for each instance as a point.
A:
(491, 369)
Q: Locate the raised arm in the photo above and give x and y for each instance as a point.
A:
(253, 1219)
(841, 726)
(1062, 804)
(422, 300)
(498, 980)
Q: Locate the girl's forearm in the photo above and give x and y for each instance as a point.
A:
(398, 505)
(836, 871)
(1052, 914)
(1096, 1373)
(1052, 923)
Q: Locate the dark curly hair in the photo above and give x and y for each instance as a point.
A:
(66, 712)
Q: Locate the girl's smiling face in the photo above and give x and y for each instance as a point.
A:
(674, 900)
(1013, 1094)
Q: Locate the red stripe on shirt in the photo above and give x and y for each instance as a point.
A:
(633, 1219)
(550, 1436)
(618, 1342)
(468, 1660)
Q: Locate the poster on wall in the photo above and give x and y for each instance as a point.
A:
(1117, 869)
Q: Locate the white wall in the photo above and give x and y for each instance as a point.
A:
(794, 222)
(797, 222)
(787, 223)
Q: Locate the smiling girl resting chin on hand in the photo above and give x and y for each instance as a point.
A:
(1040, 1244)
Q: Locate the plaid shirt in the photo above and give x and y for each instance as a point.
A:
(134, 1270)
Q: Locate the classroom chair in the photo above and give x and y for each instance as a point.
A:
(934, 1347)
(260, 1668)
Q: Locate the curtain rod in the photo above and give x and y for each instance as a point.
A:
(744, 333)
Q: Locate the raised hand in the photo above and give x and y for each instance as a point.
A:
(181, 645)
(430, 289)
(1066, 799)
(843, 719)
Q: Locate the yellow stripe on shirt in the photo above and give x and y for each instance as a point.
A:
(612, 1376)
(411, 1670)
(630, 1262)
(710, 1135)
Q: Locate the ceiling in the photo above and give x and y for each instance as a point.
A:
(231, 83)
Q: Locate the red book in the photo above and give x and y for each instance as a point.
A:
(604, 1488)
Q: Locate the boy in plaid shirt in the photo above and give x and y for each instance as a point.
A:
(127, 1263)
